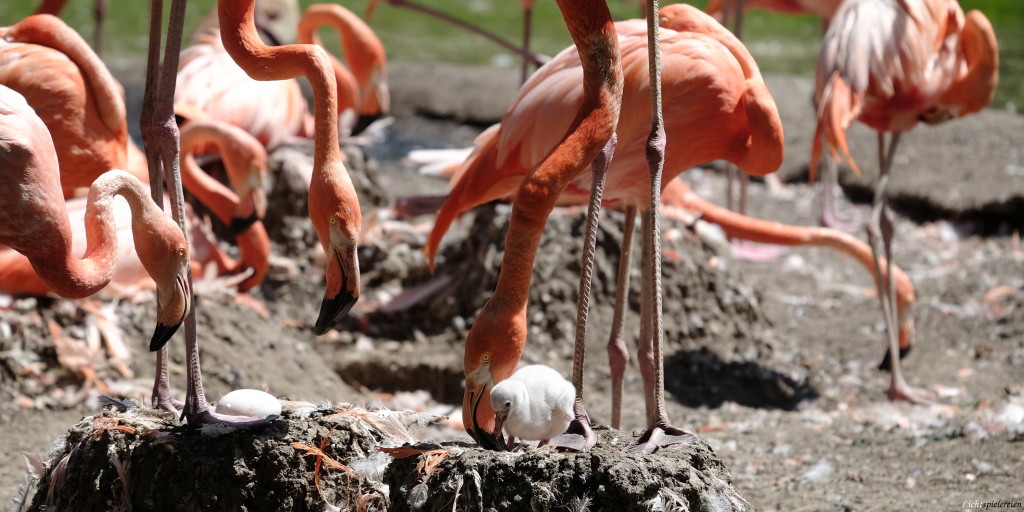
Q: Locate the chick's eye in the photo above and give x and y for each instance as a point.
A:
(508, 404)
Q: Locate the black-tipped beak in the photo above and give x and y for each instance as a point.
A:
(331, 311)
(363, 122)
(162, 335)
(886, 363)
(239, 225)
(486, 440)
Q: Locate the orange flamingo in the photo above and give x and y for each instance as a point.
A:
(678, 194)
(717, 104)
(333, 204)
(498, 335)
(362, 85)
(890, 65)
(73, 92)
(36, 224)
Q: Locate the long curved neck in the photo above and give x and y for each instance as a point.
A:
(50, 31)
(979, 49)
(262, 62)
(678, 194)
(212, 193)
(593, 31)
(319, 15)
(73, 278)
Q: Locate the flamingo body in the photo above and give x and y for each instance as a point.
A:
(716, 107)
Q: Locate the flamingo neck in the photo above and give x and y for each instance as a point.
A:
(591, 27)
(73, 278)
(262, 62)
(208, 190)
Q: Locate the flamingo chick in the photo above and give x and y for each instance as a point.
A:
(534, 404)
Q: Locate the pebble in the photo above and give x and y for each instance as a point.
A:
(249, 402)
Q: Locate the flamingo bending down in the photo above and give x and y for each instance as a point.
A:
(74, 93)
(33, 220)
(717, 107)
(678, 194)
(362, 85)
(333, 204)
(889, 65)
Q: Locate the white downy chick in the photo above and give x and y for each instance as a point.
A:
(534, 404)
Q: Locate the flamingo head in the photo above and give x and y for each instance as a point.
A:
(164, 254)
(488, 360)
(246, 171)
(334, 210)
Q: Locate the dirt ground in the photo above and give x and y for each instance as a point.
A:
(774, 362)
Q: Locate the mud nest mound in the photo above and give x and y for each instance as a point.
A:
(144, 460)
(681, 477)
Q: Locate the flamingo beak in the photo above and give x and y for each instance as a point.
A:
(364, 121)
(488, 440)
(342, 276)
(166, 329)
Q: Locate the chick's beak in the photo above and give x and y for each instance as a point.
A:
(342, 288)
(171, 314)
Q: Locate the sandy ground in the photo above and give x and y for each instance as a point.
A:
(774, 362)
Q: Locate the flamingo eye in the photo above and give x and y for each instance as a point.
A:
(181, 252)
(486, 358)
(334, 220)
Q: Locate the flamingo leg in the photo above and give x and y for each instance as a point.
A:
(881, 228)
(527, 19)
(579, 436)
(618, 354)
(162, 143)
(660, 431)
(830, 191)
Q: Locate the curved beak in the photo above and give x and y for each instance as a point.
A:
(171, 314)
(342, 288)
(476, 405)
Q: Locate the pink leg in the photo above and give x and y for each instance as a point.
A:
(618, 354)
(579, 436)
(881, 227)
(660, 431)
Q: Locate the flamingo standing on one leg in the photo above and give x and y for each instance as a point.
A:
(333, 204)
(74, 93)
(33, 220)
(891, 64)
(362, 85)
(718, 108)
(498, 335)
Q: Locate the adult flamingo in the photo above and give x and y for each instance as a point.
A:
(890, 65)
(498, 335)
(74, 93)
(333, 204)
(362, 84)
(718, 107)
(35, 223)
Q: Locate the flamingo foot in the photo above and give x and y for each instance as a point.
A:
(753, 251)
(901, 391)
(660, 436)
(211, 418)
(848, 221)
(578, 437)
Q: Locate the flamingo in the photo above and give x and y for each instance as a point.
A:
(73, 92)
(333, 204)
(889, 65)
(362, 85)
(717, 104)
(35, 223)
(678, 194)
